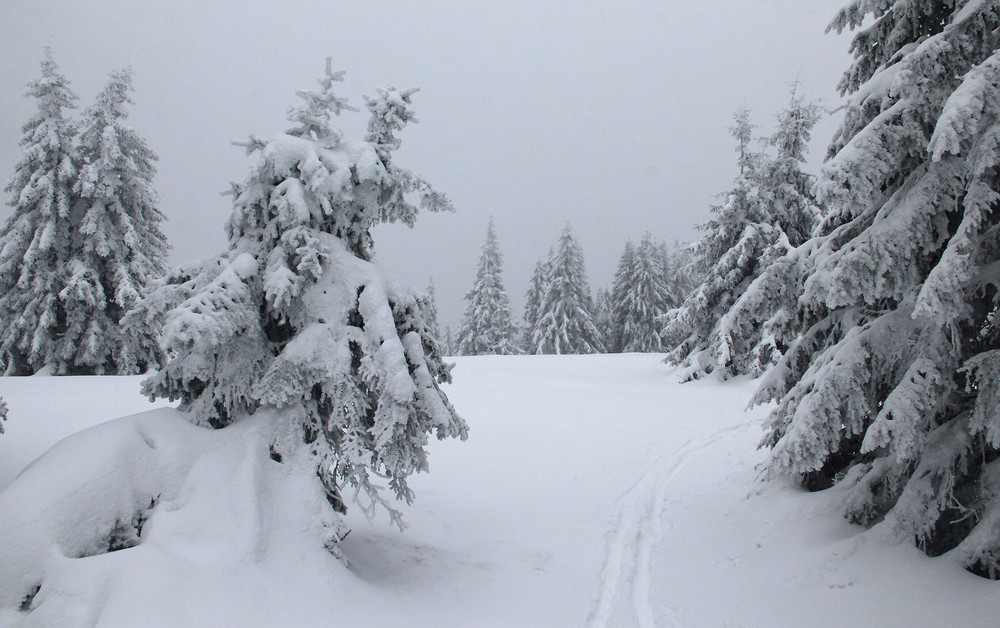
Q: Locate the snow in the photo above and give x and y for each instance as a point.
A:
(593, 490)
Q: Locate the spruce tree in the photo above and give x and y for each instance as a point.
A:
(35, 241)
(603, 318)
(640, 297)
(891, 386)
(118, 247)
(295, 328)
(565, 321)
(720, 327)
(533, 302)
(626, 263)
(487, 328)
(428, 305)
(448, 348)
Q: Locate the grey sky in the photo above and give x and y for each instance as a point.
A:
(612, 115)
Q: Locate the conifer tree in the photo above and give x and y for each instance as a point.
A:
(449, 343)
(565, 321)
(641, 296)
(603, 317)
(428, 305)
(891, 385)
(681, 271)
(3, 413)
(35, 240)
(487, 328)
(295, 327)
(533, 302)
(719, 327)
(626, 263)
(118, 247)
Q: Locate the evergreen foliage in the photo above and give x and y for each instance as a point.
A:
(720, 326)
(295, 322)
(84, 239)
(533, 303)
(487, 327)
(118, 245)
(35, 240)
(890, 387)
(603, 317)
(565, 318)
(428, 307)
(641, 295)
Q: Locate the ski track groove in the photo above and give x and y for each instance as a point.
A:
(626, 573)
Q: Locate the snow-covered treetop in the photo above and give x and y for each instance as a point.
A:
(320, 182)
(52, 92)
(313, 116)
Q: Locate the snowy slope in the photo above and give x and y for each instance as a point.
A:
(592, 490)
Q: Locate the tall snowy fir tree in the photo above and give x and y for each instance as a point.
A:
(533, 302)
(294, 327)
(428, 305)
(35, 240)
(118, 247)
(640, 297)
(747, 233)
(565, 319)
(613, 334)
(891, 387)
(603, 317)
(487, 326)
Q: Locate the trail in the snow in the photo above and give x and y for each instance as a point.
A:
(626, 574)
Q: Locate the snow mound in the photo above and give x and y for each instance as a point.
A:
(117, 523)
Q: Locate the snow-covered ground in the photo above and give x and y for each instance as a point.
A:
(593, 490)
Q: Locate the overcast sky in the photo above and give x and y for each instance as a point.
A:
(612, 115)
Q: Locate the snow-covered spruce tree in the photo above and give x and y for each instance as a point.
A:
(533, 302)
(565, 321)
(892, 386)
(613, 335)
(3, 413)
(487, 327)
(603, 317)
(640, 297)
(784, 188)
(428, 306)
(296, 325)
(681, 271)
(761, 324)
(35, 241)
(448, 348)
(748, 232)
(117, 246)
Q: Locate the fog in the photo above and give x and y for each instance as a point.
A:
(612, 116)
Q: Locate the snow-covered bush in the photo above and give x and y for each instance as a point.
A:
(891, 385)
(487, 327)
(296, 318)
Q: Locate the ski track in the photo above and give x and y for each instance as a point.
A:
(626, 575)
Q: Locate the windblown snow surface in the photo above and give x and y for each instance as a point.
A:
(593, 490)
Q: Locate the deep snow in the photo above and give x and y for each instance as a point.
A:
(592, 490)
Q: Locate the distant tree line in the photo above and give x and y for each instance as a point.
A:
(561, 314)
